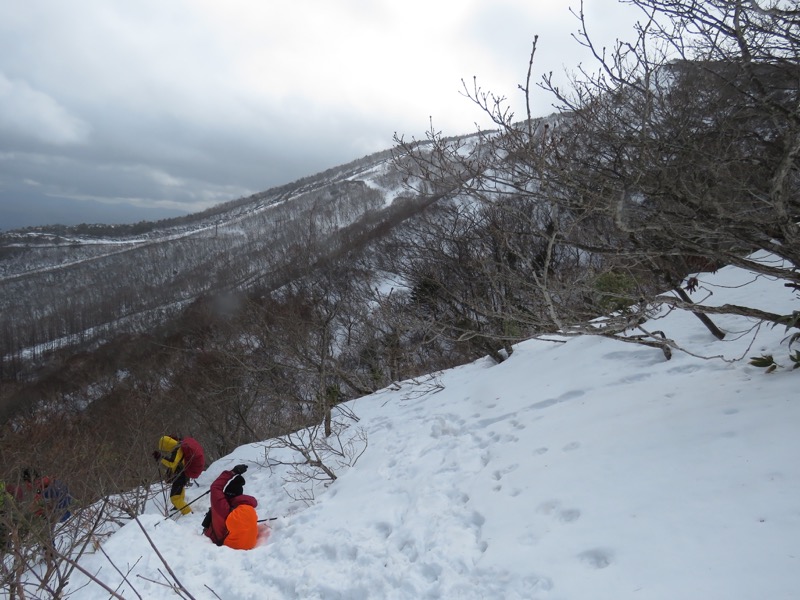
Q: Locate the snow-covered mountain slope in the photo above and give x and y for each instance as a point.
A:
(580, 469)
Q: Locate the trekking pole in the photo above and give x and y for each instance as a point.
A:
(270, 519)
(161, 482)
(177, 510)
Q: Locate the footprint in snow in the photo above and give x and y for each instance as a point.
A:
(553, 508)
(566, 396)
(499, 474)
(385, 529)
(597, 558)
(569, 516)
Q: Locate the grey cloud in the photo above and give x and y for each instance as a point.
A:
(27, 113)
(153, 104)
(143, 96)
(27, 208)
(189, 166)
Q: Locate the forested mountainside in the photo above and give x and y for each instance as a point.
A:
(242, 321)
(82, 284)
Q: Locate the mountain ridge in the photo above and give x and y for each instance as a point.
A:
(234, 245)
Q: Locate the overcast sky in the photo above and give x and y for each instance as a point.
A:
(123, 111)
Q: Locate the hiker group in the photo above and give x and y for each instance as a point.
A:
(232, 519)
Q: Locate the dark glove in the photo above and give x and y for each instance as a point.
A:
(239, 469)
(156, 455)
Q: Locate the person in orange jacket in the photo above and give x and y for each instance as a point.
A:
(184, 459)
(232, 520)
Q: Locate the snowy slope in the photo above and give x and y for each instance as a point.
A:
(585, 470)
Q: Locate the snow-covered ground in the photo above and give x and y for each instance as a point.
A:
(585, 470)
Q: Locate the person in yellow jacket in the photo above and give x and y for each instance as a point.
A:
(183, 457)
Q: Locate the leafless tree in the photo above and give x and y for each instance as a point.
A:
(678, 155)
(310, 458)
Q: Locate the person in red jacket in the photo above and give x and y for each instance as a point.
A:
(232, 520)
(44, 497)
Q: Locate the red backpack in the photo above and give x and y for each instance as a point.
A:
(194, 461)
